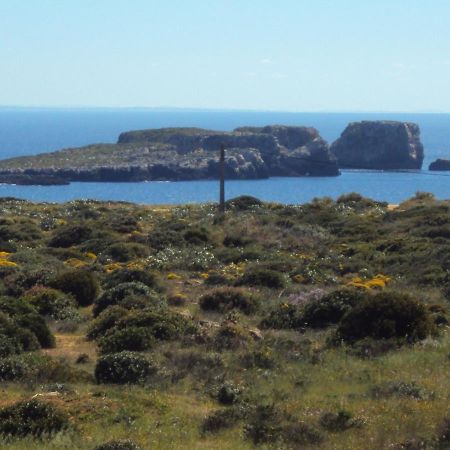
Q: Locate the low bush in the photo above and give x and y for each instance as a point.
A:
(229, 393)
(335, 422)
(265, 425)
(300, 434)
(260, 277)
(221, 419)
(33, 418)
(124, 368)
(231, 336)
(106, 320)
(53, 303)
(285, 316)
(330, 308)
(13, 368)
(81, 284)
(400, 389)
(243, 202)
(69, 235)
(386, 315)
(196, 236)
(163, 325)
(120, 293)
(150, 279)
(126, 444)
(228, 298)
(130, 338)
(125, 251)
(443, 434)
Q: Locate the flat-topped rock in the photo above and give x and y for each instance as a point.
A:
(440, 165)
(187, 154)
(381, 145)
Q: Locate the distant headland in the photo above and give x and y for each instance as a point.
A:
(176, 154)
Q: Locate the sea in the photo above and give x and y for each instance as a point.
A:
(29, 131)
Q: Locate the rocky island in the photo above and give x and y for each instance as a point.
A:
(184, 154)
(379, 145)
(440, 165)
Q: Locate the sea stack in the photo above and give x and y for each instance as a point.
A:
(379, 145)
(440, 165)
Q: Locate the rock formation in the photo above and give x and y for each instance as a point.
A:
(440, 164)
(187, 154)
(384, 145)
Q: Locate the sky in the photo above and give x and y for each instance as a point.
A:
(285, 55)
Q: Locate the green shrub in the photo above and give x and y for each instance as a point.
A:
(37, 325)
(300, 434)
(265, 425)
(106, 320)
(400, 389)
(243, 202)
(231, 336)
(229, 394)
(263, 277)
(13, 368)
(221, 419)
(81, 284)
(196, 236)
(51, 302)
(387, 315)
(285, 316)
(228, 298)
(130, 338)
(125, 251)
(331, 308)
(33, 418)
(126, 444)
(69, 235)
(335, 422)
(124, 368)
(163, 325)
(150, 279)
(120, 293)
(443, 434)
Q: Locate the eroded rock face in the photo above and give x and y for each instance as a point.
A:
(440, 164)
(187, 154)
(384, 145)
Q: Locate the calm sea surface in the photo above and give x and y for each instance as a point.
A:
(31, 131)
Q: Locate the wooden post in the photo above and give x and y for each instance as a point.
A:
(222, 178)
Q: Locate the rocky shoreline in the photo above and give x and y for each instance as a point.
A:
(182, 154)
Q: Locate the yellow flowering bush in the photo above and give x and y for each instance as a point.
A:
(378, 282)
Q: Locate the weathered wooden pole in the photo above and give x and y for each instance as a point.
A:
(222, 178)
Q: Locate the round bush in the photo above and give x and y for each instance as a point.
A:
(123, 368)
(33, 418)
(384, 316)
(228, 298)
(131, 338)
(126, 251)
(83, 285)
(263, 277)
(106, 320)
(37, 325)
(150, 279)
(331, 308)
(13, 368)
(51, 302)
(69, 235)
(244, 202)
(117, 295)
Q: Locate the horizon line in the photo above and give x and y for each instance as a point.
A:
(200, 109)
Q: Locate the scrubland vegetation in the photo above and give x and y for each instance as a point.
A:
(323, 325)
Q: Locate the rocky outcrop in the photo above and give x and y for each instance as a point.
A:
(383, 145)
(29, 179)
(440, 165)
(187, 154)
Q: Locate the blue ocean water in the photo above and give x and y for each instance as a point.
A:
(31, 131)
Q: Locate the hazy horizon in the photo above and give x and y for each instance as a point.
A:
(288, 56)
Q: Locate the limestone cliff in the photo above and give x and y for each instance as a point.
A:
(384, 145)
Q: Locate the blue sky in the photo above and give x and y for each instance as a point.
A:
(299, 55)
